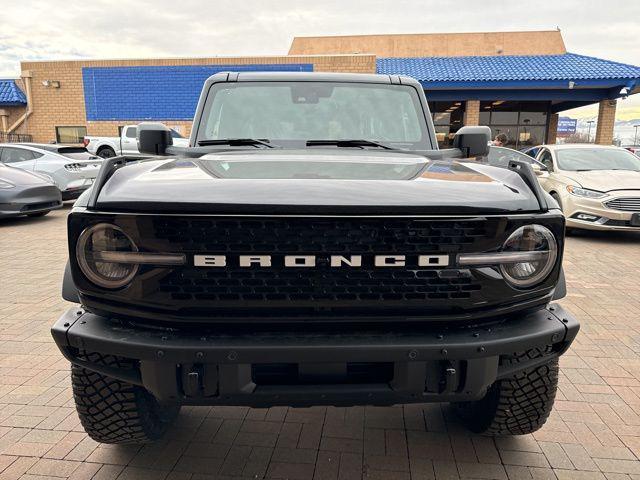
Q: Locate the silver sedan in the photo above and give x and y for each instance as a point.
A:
(72, 169)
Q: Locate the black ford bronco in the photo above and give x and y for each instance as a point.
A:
(312, 246)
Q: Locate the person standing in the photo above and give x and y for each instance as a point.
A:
(500, 140)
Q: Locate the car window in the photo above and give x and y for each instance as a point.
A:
(501, 156)
(175, 134)
(578, 159)
(13, 155)
(532, 152)
(546, 159)
(131, 132)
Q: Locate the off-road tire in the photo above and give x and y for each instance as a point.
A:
(112, 411)
(516, 405)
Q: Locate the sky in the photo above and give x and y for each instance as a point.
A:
(48, 30)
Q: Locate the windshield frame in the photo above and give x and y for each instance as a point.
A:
(423, 116)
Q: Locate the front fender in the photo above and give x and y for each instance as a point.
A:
(69, 290)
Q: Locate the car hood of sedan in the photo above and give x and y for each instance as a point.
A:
(606, 180)
(20, 177)
(316, 181)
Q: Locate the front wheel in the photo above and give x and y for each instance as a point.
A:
(516, 405)
(112, 411)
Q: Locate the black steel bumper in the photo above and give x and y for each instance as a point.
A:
(314, 367)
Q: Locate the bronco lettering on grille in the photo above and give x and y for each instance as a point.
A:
(309, 261)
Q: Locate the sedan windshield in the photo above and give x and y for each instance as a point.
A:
(582, 159)
(299, 112)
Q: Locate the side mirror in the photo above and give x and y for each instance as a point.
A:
(473, 141)
(153, 138)
(537, 169)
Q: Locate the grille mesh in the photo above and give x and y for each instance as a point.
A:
(625, 204)
(319, 237)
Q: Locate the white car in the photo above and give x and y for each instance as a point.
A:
(125, 144)
(71, 169)
(597, 187)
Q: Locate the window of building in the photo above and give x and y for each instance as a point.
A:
(448, 117)
(70, 134)
(524, 123)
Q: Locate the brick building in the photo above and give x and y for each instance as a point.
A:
(515, 82)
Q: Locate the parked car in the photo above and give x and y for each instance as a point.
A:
(71, 169)
(26, 193)
(125, 144)
(633, 149)
(313, 247)
(597, 186)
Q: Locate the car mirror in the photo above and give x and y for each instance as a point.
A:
(539, 170)
(153, 138)
(473, 141)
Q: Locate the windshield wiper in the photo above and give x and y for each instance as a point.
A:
(349, 143)
(237, 142)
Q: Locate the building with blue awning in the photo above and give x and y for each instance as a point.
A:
(517, 83)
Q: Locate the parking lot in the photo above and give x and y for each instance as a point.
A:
(593, 433)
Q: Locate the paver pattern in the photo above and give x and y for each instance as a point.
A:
(593, 433)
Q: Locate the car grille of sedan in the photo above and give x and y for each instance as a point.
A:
(625, 204)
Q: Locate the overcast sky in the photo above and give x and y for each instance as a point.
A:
(42, 29)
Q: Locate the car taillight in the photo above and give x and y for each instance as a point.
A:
(85, 141)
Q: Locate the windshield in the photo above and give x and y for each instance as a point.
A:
(576, 159)
(303, 111)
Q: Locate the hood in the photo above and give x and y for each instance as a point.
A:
(315, 181)
(606, 180)
(20, 177)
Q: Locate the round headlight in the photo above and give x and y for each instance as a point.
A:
(543, 250)
(92, 249)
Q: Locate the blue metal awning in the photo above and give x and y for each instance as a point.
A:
(566, 80)
(11, 95)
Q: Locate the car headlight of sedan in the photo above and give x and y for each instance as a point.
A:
(526, 259)
(6, 185)
(109, 258)
(584, 192)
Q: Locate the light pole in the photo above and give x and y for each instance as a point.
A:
(590, 122)
(635, 136)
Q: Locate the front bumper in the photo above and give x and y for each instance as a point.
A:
(25, 200)
(607, 218)
(298, 367)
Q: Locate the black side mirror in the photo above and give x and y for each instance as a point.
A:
(473, 141)
(153, 138)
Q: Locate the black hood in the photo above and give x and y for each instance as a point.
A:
(315, 181)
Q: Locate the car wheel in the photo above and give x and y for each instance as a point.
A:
(515, 405)
(113, 411)
(106, 152)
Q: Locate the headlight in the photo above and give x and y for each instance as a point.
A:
(584, 192)
(534, 250)
(526, 259)
(95, 245)
(6, 185)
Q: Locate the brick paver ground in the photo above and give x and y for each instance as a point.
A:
(593, 433)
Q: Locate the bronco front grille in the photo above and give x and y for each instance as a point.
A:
(208, 293)
(625, 204)
(318, 236)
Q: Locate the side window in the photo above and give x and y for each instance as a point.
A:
(131, 132)
(546, 160)
(532, 152)
(13, 155)
(36, 154)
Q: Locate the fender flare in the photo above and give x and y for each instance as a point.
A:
(561, 287)
(69, 289)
